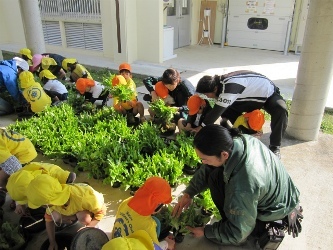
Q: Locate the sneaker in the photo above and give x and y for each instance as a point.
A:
(71, 177)
(275, 150)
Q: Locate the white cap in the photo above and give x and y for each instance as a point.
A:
(21, 63)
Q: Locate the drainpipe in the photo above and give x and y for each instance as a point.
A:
(315, 74)
(33, 28)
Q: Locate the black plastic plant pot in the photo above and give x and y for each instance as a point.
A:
(32, 224)
(165, 231)
(63, 240)
(116, 184)
(179, 238)
(89, 238)
(134, 188)
(189, 170)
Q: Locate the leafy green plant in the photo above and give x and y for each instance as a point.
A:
(205, 201)
(162, 111)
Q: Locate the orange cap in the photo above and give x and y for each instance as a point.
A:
(83, 83)
(255, 119)
(194, 103)
(161, 90)
(125, 66)
(153, 192)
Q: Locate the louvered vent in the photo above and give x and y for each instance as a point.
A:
(52, 34)
(84, 35)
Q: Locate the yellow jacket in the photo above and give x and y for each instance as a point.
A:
(128, 221)
(82, 197)
(18, 182)
(13, 143)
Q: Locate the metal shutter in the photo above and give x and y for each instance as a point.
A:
(84, 35)
(52, 34)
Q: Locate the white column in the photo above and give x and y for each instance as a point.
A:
(315, 73)
(32, 26)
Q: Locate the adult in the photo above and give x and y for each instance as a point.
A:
(9, 71)
(245, 91)
(180, 90)
(249, 186)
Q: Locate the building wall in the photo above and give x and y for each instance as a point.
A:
(11, 25)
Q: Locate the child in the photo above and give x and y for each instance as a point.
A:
(15, 150)
(140, 239)
(133, 106)
(92, 90)
(18, 182)
(135, 213)
(65, 203)
(33, 92)
(26, 55)
(198, 108)
(250, 123)
(76, 70)
(54, 88)
(162, 92)
(180, 90)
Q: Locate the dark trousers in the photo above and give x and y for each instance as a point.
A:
(275, 105)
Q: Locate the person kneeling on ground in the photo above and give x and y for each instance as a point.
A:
(180, 90)
(250, 123)
(15, 150)
(198, 108)
(136, 213)
(92, 90)
(65, 203)
(33, 92)
(54, 88)
(18, 182)
(248, 183)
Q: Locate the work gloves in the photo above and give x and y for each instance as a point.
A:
(294, 221)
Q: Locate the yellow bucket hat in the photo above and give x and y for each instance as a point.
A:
(26, 79)
(47, 74)
(66, 61)
(47, 62)
(26, 52)
(17, 185)
(139, 240)
(46, 190)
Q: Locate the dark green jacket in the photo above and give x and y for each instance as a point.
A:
(257, 186)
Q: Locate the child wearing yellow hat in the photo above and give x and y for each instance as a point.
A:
(26, 55)
(54, 88)
(250, 122)
(33, 92)
(76, 70)
(18, 182)
(198, 108)
(135, 213)
(65, 203)
(15, 150)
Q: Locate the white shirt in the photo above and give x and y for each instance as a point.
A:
(56, 86)
(96, 90)
(244, 88)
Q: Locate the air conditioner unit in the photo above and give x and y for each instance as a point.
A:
(169, 3)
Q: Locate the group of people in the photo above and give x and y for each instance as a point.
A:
(248, 183)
